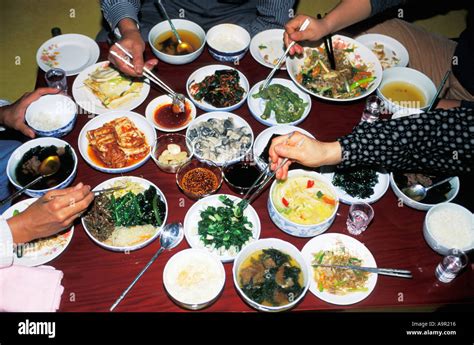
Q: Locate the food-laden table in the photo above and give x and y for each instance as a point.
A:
(95, 277)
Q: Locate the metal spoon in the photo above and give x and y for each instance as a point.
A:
(49, 166)
(171, 235)
(182, 47)
(417, 192)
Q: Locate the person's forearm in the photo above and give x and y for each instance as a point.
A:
(346, 13)
(19, 229)
(128, 26)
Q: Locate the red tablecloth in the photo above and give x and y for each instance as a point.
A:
(95, 277)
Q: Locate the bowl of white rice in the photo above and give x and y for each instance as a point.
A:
(51, 116)
(194, 278)
(449, 226)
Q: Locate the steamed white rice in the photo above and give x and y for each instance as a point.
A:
(451, 228)
(47, 121)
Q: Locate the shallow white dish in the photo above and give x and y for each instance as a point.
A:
(44, 255)
(294, 64)
(199, 75)
(267, 47)
(286, 248)
(328, 242)
(257, 105)
(145, 184)
(264, 137)
(140, 122)
(18, 154)
(392, 48)
(165, 99)
(89, 102)
(193, 216)
(182, 24)
(238, 122)
(70, 52)
(455, 184)
(379, 189)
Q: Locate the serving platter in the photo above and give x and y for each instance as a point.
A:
(46, 253)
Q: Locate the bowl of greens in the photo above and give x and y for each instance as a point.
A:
(127, 215)
(221, 224)
(282, 102)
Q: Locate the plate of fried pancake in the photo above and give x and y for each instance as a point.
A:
(117, 141)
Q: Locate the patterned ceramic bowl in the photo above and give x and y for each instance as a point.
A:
(228, 42)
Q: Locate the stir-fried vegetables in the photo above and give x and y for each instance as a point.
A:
(351, 78)
(221, 89)
(335, 280)
(286, 104)
(224, 226)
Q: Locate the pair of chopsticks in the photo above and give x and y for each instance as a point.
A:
(149, 74)
(97, 192)
(266, 176)
(383, 271)
(329, 48)
(283, 57)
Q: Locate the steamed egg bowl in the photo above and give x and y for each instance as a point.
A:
(303, 205)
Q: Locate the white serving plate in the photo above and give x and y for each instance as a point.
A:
(140, 122)
(43, 255)
(89, 102)
(267, 47)
(392, 48)
(193, 216)
(327, 242)
(257, 105)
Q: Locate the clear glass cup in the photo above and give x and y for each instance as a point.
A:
(56, 77)
(360, 215)
(373, 109)
(451, 265)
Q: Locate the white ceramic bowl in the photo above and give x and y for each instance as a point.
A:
(18, 154)
(199, 75)
(162, 100)
(189, 258)
(183, 24)
(238, 122)
(146, 184)
(295, 63)
(140, 122)
(455, 183)
(228, 42)
(162, 144)
(59, 108)
(411, 76)
(433, 242)
(286, 248)
(257, 105)
(300, 230)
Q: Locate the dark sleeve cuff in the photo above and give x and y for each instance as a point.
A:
(467, 104)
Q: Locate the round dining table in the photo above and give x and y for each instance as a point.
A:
(95, 277)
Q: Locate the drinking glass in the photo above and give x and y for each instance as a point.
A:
(360, 215)
(56, 77)
(451, 265)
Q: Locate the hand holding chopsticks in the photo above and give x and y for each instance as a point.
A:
(329, 48)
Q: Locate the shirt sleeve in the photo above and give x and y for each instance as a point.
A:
(116, 10)
(271, 14)
(441, 141)
(378, 6)
(6, 244)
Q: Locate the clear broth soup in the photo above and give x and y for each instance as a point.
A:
(404, 94)
(167, 42)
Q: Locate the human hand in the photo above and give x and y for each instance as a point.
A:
(55, 211)
(316, 29)
(13, 115)
(448, 104)
(132, 42)
(311, 152)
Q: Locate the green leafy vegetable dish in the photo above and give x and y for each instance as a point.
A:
(287, 105)
(358, 183)
(127, 216)
(225, 229)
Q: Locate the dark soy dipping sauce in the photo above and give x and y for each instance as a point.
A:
(242, 174)
(166, 118)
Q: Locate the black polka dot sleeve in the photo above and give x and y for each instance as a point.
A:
(441, 141)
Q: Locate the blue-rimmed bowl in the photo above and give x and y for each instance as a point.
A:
(18, 154)
(228, 42)
(51, 116)
(302, 230)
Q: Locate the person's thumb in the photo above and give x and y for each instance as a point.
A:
(23, 128)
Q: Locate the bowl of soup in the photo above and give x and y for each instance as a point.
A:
(165, 45)
(271, 275)
(303, 205)
(405, 89)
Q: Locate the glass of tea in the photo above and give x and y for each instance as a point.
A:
(56, 78)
